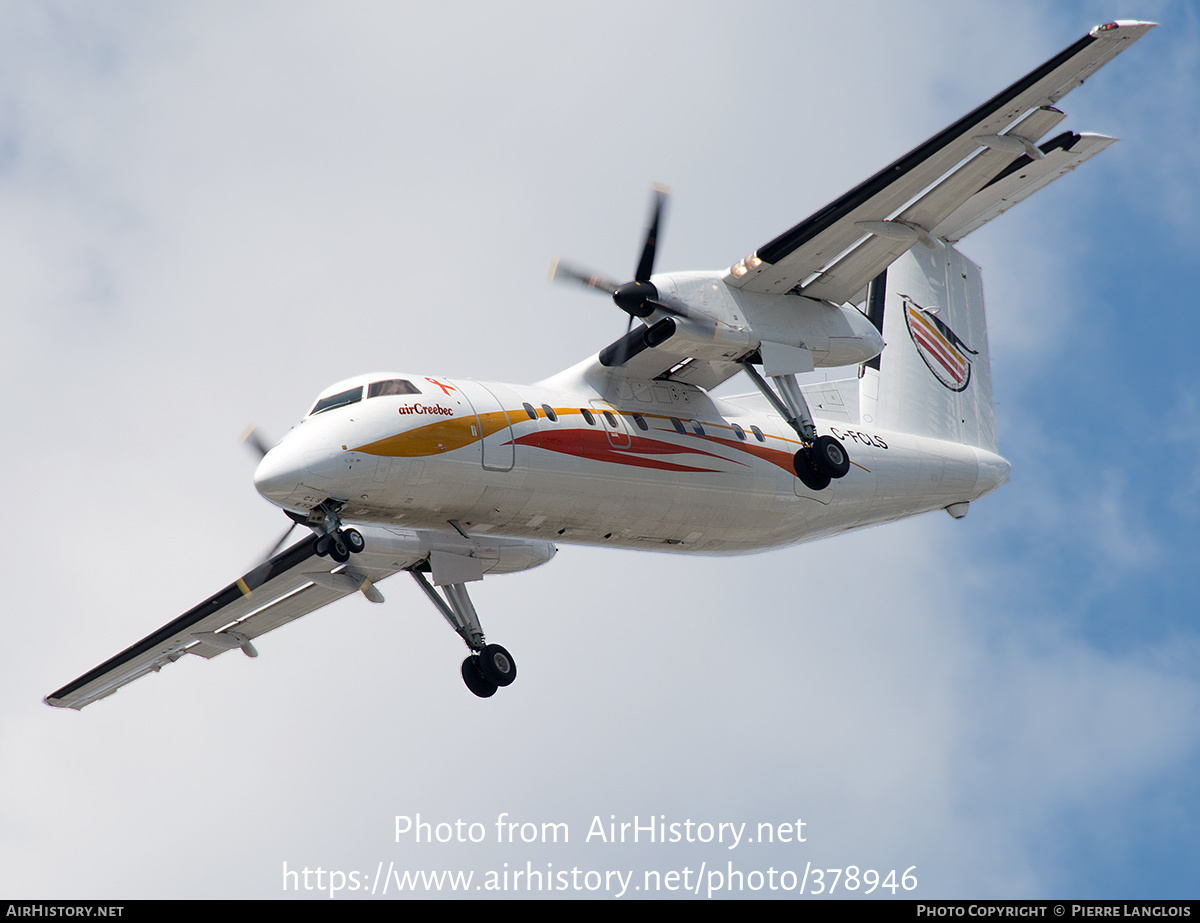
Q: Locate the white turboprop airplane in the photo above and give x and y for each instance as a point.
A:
(451, 479)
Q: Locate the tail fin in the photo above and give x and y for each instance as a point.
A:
(933, 377)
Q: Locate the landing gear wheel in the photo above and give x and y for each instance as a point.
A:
(807, 473)
(321, 545)
(476, 681)
(830, 457)
(338, 550)
(497, 665)
(354, 540)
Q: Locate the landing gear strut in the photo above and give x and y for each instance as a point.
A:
(488, 666)
(332, 539)
(820, 458)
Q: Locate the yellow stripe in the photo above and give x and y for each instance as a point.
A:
(241, 585)
(928, 325)
(436, 438)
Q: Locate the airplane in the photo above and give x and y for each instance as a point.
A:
(451, 480)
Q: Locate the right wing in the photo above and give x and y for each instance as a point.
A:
(940, 189)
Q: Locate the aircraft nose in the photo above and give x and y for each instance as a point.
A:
(278, 475)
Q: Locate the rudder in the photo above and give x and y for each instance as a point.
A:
(933, 377)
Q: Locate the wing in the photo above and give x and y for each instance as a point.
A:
(943, 188)
(293, 583)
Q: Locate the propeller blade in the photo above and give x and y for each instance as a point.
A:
(588, 279)
(646, 263)
(279, 544)
(639, 297)
(254, 439)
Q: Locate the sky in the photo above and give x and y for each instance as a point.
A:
(209, 212)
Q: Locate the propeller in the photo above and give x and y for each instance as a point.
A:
(279, 544)
(638, 297)
(254, 439)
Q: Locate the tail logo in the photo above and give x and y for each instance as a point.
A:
(947, 356)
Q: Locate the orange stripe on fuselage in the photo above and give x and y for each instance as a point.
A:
(436, 438)
(447, 435)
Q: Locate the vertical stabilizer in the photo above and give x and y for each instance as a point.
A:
(934, 378)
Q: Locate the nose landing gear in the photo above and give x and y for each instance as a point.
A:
(333, 540)
(340, 545)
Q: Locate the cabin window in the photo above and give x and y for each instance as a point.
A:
(612, 421)
(392, 386)
(678, 426)
(696, 427)
(640, 421)
(529, 410)
(739, 432)
(757, 433)
(587, 415)
(549, 412)
(341, 399)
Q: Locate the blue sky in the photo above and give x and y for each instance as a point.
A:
(209, 213)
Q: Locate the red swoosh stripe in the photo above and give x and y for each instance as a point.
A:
(595, 446)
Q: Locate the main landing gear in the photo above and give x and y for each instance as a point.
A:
(488, 666)
(817, 464)
(488, 670)
(820, 459)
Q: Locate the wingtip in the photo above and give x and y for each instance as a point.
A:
(1121, 29)
(553, 270)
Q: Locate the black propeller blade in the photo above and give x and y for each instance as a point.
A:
(254, 439)
(639, 297)
(279, 544)
(589, 280)
(646, 263)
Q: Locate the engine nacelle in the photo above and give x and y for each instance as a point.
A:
(713, 318)
(409, 547)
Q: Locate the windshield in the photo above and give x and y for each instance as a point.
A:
(337, 400)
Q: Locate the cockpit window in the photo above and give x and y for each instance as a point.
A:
(338, 400)
(392, 386)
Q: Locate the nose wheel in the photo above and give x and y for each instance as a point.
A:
(340, 545)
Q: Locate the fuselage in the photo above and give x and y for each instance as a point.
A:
(654, 465)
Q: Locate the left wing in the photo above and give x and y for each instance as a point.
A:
(293, 583)
(835, 252)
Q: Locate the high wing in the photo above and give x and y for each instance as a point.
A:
(943, 188)
(293, 583)
(699, 328)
